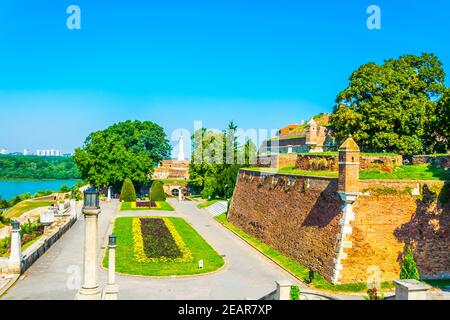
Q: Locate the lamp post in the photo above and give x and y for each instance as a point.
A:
(111, 289)
(91, 209)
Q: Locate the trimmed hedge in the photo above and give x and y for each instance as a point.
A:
(128, 193)
(157, 191)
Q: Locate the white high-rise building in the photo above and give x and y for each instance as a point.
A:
(26, 152)
(181, 149)
(49, 153)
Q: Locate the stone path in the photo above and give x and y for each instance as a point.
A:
(248, 274)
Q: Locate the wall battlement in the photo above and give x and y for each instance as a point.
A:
(346, 229)
(300, 216)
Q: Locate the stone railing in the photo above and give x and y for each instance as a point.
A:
(283, 292)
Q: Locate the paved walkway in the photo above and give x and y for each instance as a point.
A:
(247, 273)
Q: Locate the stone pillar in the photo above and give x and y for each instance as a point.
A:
(109, 193)
(90, 289)
(411, 290)
(180, 195)
(111, 289)
(283, 290)
(15, 257)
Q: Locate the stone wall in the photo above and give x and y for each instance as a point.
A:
(277, 161)
(296, 215)
(299, 216)
(439, 161)
(389, 220)
(307, 161)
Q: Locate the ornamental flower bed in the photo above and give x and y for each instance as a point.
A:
(157, 240)
(145, 204)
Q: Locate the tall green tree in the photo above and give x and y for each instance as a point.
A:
(409, 268)
(391, 107)
(128, 149)
(216, 160)
(442, 120)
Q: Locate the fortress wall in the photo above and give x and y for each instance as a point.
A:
(302, 222)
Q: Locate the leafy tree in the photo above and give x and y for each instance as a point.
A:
(442, 119)
(216, 160)
(157, 192)
(34, 167)
(409, 268)
(128, 193)
(64, 188)
(391, 107)
(128, 149)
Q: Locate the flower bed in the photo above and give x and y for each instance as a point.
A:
(147, 204)
(156, 240)
(182, 233)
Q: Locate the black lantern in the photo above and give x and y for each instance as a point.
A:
(91, 199)
(112, 240)
(15, 225)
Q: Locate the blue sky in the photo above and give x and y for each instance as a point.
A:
(261, 63)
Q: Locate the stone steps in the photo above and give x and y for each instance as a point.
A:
(217, 208)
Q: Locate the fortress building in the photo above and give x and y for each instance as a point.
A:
(174, 169)
(314, 136)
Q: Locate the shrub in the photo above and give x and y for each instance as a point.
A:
(372, 294)
(128, 193)
(409, 268)
(157, 192)
(295, 293)
(64, 188)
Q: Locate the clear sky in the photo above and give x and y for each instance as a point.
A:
(260, 63)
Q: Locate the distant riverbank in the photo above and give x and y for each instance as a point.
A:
(13, 187)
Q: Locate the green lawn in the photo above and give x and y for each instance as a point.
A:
(300, 271)
(294, 171)
(171, 181)
(161, 205)
(26, 206)
(403, 172)
(200, 249)
(410, 172)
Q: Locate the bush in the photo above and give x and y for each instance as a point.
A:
(157, 191)
(64, 188)
(295, 293)
(128, 193)
(409, 268)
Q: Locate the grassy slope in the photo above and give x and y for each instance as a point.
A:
(207, 204)
(293, 266)
(199, 248)
(409, 172)
(161, 205)
(26, 206)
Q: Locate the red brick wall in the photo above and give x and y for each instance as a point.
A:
(302, 223)
(386, 224)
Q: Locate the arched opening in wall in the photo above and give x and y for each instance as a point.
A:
(175, 192)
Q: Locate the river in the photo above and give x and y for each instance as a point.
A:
(11, 188)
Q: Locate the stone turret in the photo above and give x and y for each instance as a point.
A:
(311, 133)
(348, 189)
(349, 168)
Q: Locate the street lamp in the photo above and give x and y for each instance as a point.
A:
(91, 199)
(91, 209)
